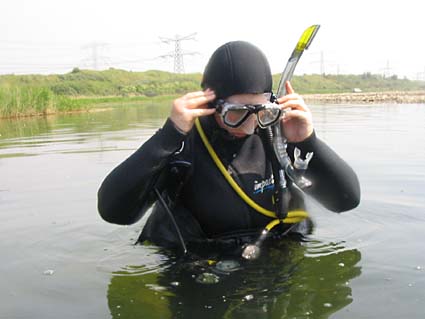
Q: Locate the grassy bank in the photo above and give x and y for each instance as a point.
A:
(346, 83)
(26, 101)
(26, 95)
(82, 90)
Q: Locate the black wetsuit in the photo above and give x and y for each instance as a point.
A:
(203, 203)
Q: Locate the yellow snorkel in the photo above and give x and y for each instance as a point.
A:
(281, 163)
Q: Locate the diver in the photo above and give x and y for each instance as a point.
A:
(209, 171)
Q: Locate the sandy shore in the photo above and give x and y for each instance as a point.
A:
(369, 97)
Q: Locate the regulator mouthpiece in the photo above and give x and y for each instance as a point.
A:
(251, 252)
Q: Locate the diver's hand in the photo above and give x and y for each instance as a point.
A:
(190, 106)
(297, 124)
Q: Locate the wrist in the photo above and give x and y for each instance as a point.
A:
(307, 136)
(308, 143)
(182, 126)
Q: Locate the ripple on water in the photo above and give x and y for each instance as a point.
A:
(316, 248)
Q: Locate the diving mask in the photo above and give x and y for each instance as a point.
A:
(234, 114)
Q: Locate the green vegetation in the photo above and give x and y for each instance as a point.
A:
(110, 82)
(316, 84)
(22, 95)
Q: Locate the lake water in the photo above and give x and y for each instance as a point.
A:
(60, 260)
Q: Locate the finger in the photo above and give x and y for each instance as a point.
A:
(202, 112)
(295, 114)
(196, 102)
(289, 89)
(191, 95)
(292, 96)
(295, 105)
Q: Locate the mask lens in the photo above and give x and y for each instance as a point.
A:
(234, 117)
(268, 115)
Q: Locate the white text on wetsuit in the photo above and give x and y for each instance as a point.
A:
(261, 186)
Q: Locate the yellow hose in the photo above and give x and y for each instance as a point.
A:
(293, 216)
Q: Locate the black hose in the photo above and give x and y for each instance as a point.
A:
(173, 220)
(282, 194)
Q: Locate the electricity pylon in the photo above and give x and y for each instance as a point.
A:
(178, 53)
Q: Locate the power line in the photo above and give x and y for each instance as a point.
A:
(21, 56)
(178, 53)
(95, 58)
(420, 76)
(386, 71)
(321, 61)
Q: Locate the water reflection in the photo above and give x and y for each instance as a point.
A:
(73, 133)
(148, 114)
(291, 279)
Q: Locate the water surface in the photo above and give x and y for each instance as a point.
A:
(60, 260)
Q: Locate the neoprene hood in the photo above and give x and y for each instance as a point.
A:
(235, 68)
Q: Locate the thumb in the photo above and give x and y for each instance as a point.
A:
(289, 89)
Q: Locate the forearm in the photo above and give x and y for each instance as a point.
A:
(124, 194)
(334, 183)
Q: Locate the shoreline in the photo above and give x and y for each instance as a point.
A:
(400, 97)
(50, 113)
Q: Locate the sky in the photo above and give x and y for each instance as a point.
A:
(54, 36)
